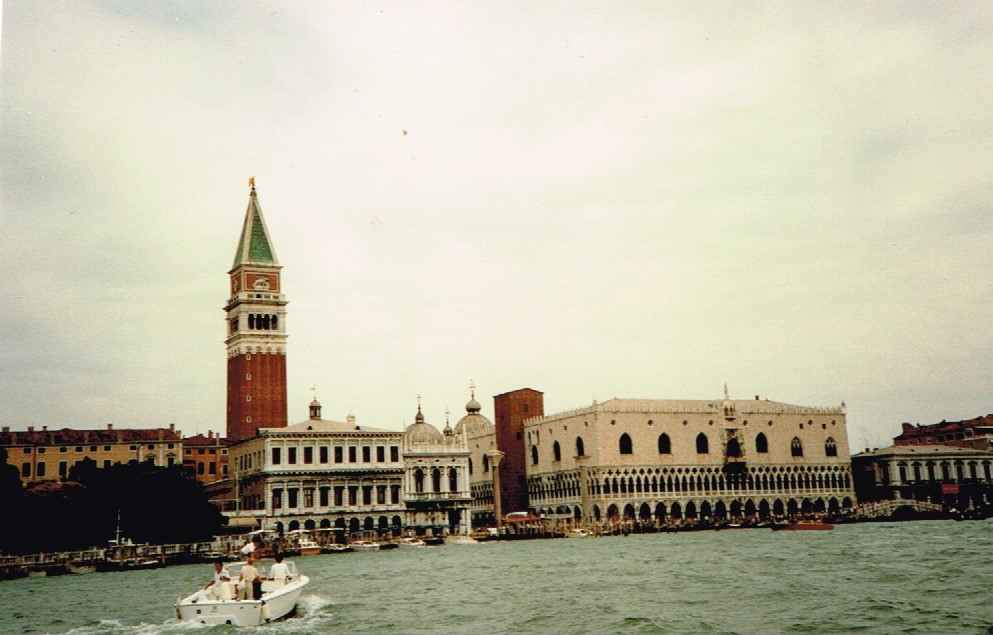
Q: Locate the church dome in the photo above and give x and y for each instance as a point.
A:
(473, 424)
(421, 432)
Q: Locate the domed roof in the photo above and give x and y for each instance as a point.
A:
(473, 424)
(421, 432)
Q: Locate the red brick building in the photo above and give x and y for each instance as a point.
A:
(256, 341)
(510, 410)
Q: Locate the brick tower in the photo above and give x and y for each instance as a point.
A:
(510, 410)
(256, 341)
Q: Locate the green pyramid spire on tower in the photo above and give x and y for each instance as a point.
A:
(254, 246)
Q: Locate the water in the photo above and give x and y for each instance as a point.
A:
(918, 577)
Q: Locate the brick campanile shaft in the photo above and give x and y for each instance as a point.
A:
(256, 327)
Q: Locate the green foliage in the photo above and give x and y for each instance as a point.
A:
(157, 505)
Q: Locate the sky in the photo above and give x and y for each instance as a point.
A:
(594, 200)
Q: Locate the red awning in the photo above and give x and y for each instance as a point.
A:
(520, 519)
(949, 488)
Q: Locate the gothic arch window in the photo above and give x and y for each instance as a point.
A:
(486, 463)
(796, 447)
(419, 480)
(625, 444)
(557, 451)
(734, 448)
(453, 480)
(830, 447)
(761, 443)
(435, 480)
(702, 445)
(251, 321)
(275, 322)
(534, 455)
(580, 449)
(665, 446)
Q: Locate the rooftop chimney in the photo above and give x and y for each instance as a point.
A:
(44, 428)
(110, 426)
(30, 428)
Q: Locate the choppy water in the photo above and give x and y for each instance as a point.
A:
(918, 577)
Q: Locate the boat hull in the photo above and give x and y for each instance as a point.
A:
(804, 526)
(276, 603)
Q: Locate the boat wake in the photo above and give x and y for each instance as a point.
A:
(312, 611)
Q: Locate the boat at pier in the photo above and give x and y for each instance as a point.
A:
(279, 599)
(803, 525)
(364, 545)
(308, 547)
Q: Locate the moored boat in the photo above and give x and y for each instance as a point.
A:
(411, 542)
(578, 533)
(804, 525)
(279, 599)
(308, 547)
(364, 545)
(335, 548)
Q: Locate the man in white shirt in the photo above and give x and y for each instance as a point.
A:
(218, 588)
(279, 572)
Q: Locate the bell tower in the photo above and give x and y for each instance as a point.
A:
(256, 327)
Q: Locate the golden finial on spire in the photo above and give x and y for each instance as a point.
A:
(251, 182)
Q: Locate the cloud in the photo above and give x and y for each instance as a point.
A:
(591, 201)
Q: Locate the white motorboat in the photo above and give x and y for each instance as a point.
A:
(308, 547)
(577, 533)
(410, 542)
(364, 545)
(278, 599)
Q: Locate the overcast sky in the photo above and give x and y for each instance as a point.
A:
(644, 200)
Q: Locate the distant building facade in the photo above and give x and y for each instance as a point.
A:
(256, 327)
(320, 474)
(49, 455)
(970, 433)
(436, 484)
(951, 476)
(205, 458)
(656, 460)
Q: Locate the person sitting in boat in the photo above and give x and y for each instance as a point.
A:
(249, 582)
(279, 572)
(218, 588)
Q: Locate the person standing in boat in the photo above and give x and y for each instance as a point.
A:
(249, 582)
(279, 572)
